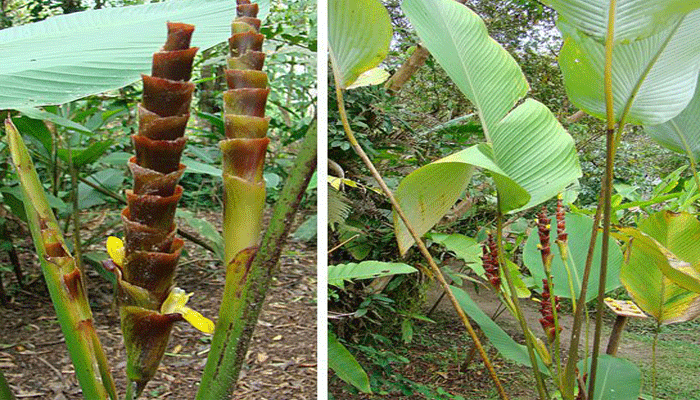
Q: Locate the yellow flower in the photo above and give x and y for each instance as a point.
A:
(115, 249)
(175, 303)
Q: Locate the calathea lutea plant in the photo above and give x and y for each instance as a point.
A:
(144, 265)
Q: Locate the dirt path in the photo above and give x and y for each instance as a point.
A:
(678, 349)
(281, 362)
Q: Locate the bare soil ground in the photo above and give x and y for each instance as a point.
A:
(281, 362)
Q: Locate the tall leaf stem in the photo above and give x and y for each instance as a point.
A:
(607, 206)
(419, 242)
(241, 304)
(541, 389)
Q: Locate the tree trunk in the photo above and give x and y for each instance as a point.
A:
(404, 73)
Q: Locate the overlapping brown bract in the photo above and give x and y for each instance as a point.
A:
(246, 129)
(151, 248)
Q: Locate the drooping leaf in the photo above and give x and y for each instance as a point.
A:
(464, 248)
(656, 74)
(579, 228)
(654, 292)
(345, 365)
(67, 57)
(359, 32)
(634, 19)
(678, 232)
(85, 156)
(338, 274)
(616, 378)
(682, 133)
(508, 347)
(529, 155)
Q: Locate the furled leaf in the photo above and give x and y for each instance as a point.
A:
(634, 19)
(359, 32)
(656, 75)
(67, 57)
(616, 378)
(682, 133)
(338, 274)
(345, 365)
(579, 228)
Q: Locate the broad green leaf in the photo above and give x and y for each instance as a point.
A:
(482, 69)
(505, 345)
(529, 155)
(657, 75)
(110, 179)
(338, 274)
(37, 129)
(464, 247)
(616, 378)
(374, 76)
(682, 133)
(359, 32)
(40, 114)
(196, 167)
(643, 275)
(205, 229)
(634, 19)
(677, 232)
(345, 365)
(67, 57)
(85, 156)
(579, 228)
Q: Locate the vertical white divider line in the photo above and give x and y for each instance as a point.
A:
(322, 206)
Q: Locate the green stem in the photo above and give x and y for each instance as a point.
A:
(77, 242)
(564, 253)
(5, 392)
(130, 393)
(607, 206)
(653, 359)
(243, 300)
(541, 389)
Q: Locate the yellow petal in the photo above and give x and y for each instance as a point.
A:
(115, 249)
(175, 302)
(197, 320)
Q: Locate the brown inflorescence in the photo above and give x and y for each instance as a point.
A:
(543, 228)
(245, 124)
(547, 320)
(490, 262)
(562, 236)
(151, 248)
